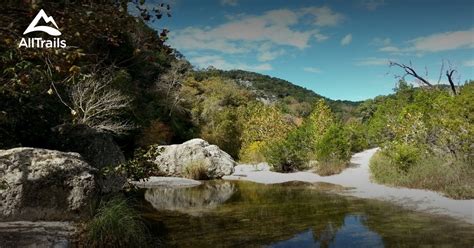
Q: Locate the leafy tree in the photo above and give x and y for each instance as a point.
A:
(265, 124)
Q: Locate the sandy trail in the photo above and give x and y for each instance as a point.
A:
(357, 177)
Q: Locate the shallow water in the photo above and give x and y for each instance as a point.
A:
(246, 214)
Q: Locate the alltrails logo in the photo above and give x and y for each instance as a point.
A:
(40, 42)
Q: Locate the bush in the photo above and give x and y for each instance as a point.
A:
(403, 156)
(330, 167)
(253, 153)
(357, 136)
(196, 170)
(116, 225)
(333, 150)
(292, 153)
(140, 166)
(453, 178)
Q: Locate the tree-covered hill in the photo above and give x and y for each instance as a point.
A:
(271, 89)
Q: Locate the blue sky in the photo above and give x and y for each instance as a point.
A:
(339, 49)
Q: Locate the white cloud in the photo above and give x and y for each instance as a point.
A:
(320, 37)
(229, 2)
(469, 63)
(381, 41)
(245, 33)
(435, 43)
(346, 40)
(273, 26)
(371, 61)
(372, 4)
(391, 49)
(221, 63)
(268, 52)
(444, 41)
(312, 69)
(324, 16)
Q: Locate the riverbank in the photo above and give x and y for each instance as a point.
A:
(357, 179)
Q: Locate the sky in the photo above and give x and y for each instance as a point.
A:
(339, 48)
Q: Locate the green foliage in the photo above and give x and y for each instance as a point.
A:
(319, 138)
(263, 124)
(454, 179)
(421, 128)
(116, 225)
(214, 104)
(253, 152)
(196, 170)
(291, 99)
(321, 118)
(403, 156)
(334, 145)
(333, 150)
(292, 153)
(140, 166)
(357, 135)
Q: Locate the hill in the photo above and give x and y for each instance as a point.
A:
(271, 89)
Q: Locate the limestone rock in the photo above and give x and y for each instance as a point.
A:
(174, 159)
(40, 184)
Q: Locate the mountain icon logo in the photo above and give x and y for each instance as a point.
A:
(49, 30)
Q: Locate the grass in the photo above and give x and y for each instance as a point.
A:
(331, 167)
(454, 179)
(116, 225)
(196, 170)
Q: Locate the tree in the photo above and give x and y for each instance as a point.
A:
(262, 125)
(170, 83)
(320, 119)
(96, 104)
(409, 70)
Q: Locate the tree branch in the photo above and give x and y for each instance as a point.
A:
(410, 71)
(449, 74)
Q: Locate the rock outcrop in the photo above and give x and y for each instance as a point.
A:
(40, 184)
(174, 159)
(98, 149)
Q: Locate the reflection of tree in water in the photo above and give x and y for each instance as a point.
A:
(399, 227)
(298, 206)
(257, 215)
(191, 200)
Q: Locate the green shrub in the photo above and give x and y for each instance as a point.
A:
(333, 151)
(403, 156)
(116, 225)
(253, 152)
(140, 166)
(292, 153)
(357, 135)
(196, 170)
(453, 178)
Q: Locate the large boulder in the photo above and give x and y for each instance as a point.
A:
(97, 148)
(40, 184)
(174, 159)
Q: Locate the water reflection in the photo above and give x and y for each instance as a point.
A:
(190, 200)
(243, 214)
(352, 234)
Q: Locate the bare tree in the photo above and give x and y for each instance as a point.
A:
(96, 104)
(169, 83)
(409, 70)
